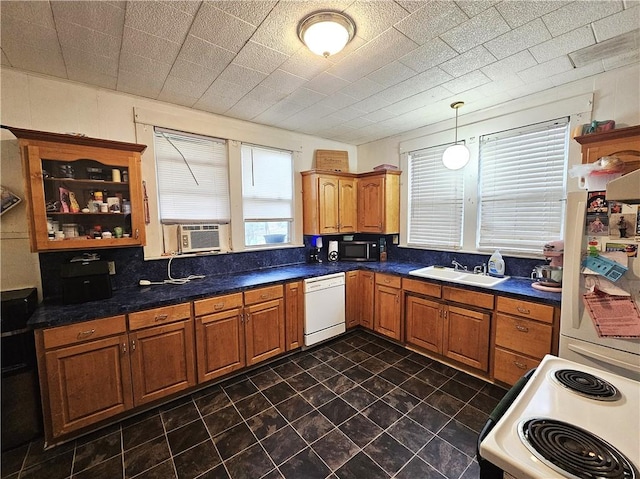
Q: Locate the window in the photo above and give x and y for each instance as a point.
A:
(193, 177)
(521, 187)
(436, 200)
(267, 195)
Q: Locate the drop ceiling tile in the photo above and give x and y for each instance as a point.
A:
(282, 81)
(219, 97)
(371, 104)
(619, 45)
(563, 44)
(420, 100)
(338, 101)
(279, 28)
(104, 17)
(428, 55)
(159, 19)
(4, 59)
(131, 62)
(507, 66)
(220, 28)
(466, 82)
(305, 97)
(245, 78)
(79, 37)
(83, 60)
(357, 123)
(326, 84)
(34, 59)
(577, 73)
(474, 7)
(247, 108)
(305, 64)
(546, 69)
(362, 88)
(519, 13)
(18, 33)
(92, 77)
(260, 58)
(474, 59)
(37, 13)
(144, 44)
(617, 24)
(251, 11)
(621, 60)
(490, 90)
(373, 18)
(431, 20)
(278, 112)
(146, 85)
(379, 115)
(265, 95)
(391, 74)
(197, 50)
(577, 14)
(194, 85)
(475, 31)
(386, 47)
(411, 5)
(519, 39)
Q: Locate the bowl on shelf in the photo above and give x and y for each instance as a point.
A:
(274, 238)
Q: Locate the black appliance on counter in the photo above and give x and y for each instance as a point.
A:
(85, 280)
(359, 251)
(21, 409)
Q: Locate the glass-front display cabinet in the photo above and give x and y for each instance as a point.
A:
(83, 192)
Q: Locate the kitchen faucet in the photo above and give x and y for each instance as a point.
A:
(457, 266)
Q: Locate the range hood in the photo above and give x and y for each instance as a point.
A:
(625, 189)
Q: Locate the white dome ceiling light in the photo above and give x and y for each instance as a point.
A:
(326, 33)
(456, 156)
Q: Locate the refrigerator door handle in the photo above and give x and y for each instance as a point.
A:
(573, 254)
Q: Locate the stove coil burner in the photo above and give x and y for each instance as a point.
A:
(574, 452)
(587, 384)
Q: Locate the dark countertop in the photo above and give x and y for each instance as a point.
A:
(138, 298)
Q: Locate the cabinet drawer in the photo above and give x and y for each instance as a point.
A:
(422, 287)
(154, 317)
(509, 367)
(263, 294)
(465, 296)
(217, 304)
(526, 309)
(523, 335)
(85, 331)
(388, 280)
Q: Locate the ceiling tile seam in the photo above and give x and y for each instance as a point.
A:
(64, 62)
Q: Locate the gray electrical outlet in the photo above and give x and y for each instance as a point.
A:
(112, 267)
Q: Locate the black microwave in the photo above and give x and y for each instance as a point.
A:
(359, 251)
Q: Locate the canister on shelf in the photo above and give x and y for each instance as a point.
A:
(115, 175)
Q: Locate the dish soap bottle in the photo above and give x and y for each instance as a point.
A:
(496, 264)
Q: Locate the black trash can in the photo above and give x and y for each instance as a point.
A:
(21, 407)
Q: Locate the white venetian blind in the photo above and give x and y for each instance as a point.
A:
(193, 177)
(521, 187)
(267, 184)
(436, 200)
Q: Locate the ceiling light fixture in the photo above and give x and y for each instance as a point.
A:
(326, 33)
(456, 156)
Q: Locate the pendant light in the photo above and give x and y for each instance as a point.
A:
(326, 33)
(456, 156)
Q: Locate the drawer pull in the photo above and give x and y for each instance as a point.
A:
(218, 306)
(85, 334)
(523, 310)
(161, 317)
(386, 280)
(521, 328)
(264, 296)
(519, 365)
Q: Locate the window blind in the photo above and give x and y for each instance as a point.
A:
(521, 187)
(267, 184)
(193, 177)
(436, 200)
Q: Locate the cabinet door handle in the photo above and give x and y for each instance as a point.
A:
(137, 233)
(161, 317)
(519, 365)
(248, 317)
(86, 334)
(124, 348)
(523, 310)
(133, 345)
(397, 298)
(521, 328)
(218, 306)
(440, 313)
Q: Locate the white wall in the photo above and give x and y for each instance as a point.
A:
(42, 103)
(616, 96)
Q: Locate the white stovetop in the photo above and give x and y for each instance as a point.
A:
(617, 422)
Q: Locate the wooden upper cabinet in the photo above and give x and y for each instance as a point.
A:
(379, 202)
(348, 204)
(65, 174)
(622, 142)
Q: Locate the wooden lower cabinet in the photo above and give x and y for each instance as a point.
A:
(294, 317)
(466, 336)
(352, 298)
(366, 293)
(424, 323)
(388, 307)
(264, 323)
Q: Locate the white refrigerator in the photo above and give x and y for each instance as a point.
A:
(579, 340)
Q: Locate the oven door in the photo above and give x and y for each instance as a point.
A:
(487, 469)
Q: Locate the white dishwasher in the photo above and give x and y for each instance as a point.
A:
(324, 298)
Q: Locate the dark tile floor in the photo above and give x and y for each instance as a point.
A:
(357, 407)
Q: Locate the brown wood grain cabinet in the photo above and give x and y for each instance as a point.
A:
(379, 202)
(329, 203)
(64, 174)
(264, 323)
(352, 298)
(220, 344)
(623, 143)
(294, 301)
(388, 306)
(366, 290)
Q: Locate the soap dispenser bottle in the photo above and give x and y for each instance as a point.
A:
(496, 264)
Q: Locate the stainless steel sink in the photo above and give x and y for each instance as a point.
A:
(457, 276)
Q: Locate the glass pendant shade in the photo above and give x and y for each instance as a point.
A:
(326, 34)
(455, 157)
